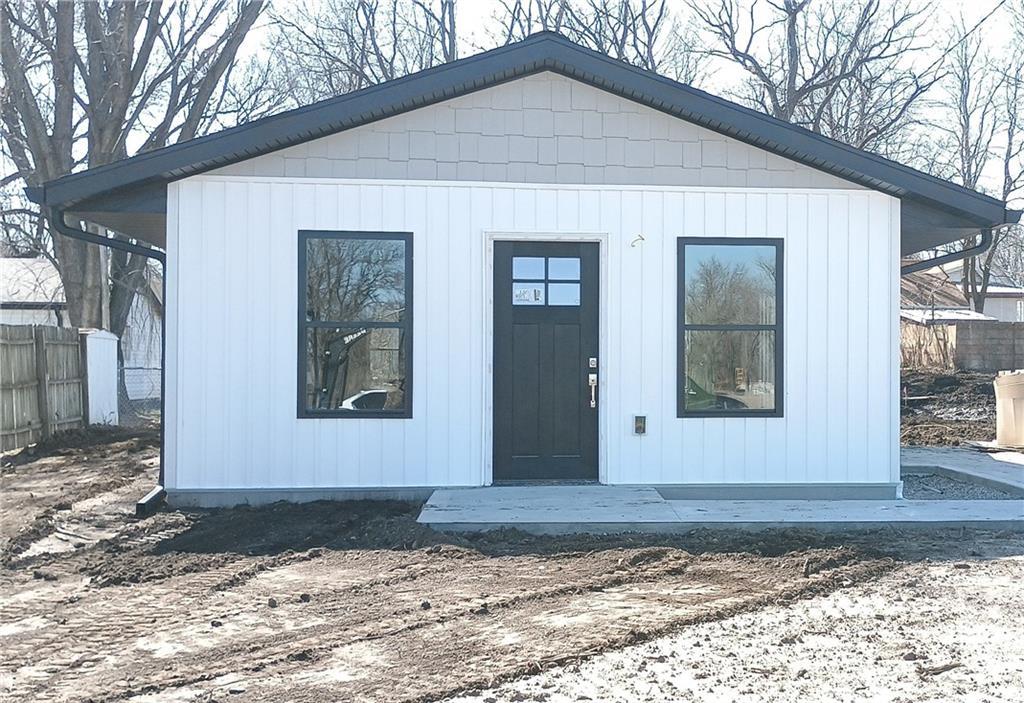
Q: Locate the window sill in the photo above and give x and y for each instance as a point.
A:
(354, 414)
(742, 415)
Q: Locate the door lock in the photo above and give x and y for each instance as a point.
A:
(592, 380)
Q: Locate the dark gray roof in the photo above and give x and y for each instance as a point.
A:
(132, 191)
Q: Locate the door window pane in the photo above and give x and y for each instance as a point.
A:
(729, 370)
(355, 369)
(531, 267)
(730, 284)
(563, 294)
(355, 279)
(564, 269)
(527, 293)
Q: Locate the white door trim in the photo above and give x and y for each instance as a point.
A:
(487, 446)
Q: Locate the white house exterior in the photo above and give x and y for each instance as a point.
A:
(564, 280)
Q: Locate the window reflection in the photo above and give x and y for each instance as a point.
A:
(730, 326)
(355, 369)
(729, 370)
(356, 331)
(355, 280)
(730, 284)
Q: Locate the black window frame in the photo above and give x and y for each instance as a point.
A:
(682, 326)
(304, 325)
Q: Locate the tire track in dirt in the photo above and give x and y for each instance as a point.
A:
(413, 663)
(311, 646)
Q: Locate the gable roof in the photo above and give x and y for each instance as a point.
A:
(130, 195)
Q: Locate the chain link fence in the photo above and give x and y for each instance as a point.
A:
(138, 395)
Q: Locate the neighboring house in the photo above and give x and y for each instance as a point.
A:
(534, 264)
(31, 294)
(928, 297)
(1004, 300)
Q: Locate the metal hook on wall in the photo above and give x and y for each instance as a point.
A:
(639, 238)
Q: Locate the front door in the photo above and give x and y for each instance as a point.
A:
(545, 360)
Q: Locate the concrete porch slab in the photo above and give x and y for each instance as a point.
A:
(1001, 469)
(511, 506)
(852, 514)
(597, 509)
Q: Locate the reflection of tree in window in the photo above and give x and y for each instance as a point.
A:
(350, 362)
(355, 279)
(717, 293)
(729, 327)
(358, 284)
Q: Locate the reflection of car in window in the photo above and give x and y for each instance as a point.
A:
(366, 400)
(699, 399)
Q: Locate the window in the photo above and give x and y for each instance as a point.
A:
(552, 280)
(355, 324)
(730, 327)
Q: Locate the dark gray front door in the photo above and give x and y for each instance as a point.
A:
(545, 359)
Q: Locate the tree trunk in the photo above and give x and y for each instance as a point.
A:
(84, 277)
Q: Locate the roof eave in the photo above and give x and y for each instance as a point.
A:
(538, 53)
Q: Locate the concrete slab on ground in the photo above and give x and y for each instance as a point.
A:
(573, 509)
(849, 514)
(1000, 469)
(558, 505)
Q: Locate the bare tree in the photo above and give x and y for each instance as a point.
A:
(642, 32)
(843, 69)
(337, 46)
(979, 118)
(81, 79)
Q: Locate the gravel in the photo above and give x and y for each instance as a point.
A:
(935, 487)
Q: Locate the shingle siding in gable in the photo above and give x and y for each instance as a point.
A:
(543, 128)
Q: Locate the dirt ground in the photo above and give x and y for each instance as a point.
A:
(947, 409)
(356, 601)
(929, 631)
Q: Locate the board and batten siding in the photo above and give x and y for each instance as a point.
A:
(232, 286)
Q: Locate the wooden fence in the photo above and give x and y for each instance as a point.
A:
(42, 383)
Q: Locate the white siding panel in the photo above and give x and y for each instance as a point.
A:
(776, 468)
(857, 335)
(797, 332)
(837, 320)
(232, 289)
(213, 324)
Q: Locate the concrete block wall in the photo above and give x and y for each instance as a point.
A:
(985, 345)
(543, 128)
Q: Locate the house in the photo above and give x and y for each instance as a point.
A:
(31, 293)
(533, 264)
(930, 297)
(1004, 299)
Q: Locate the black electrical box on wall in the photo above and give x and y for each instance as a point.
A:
(639, 424)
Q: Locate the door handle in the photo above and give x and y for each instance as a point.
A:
(592, 381)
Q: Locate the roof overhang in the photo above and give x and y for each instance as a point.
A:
(130, 196)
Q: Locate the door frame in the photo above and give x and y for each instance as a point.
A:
(492, 236)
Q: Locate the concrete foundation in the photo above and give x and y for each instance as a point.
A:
(595, 509)
(230, 497)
